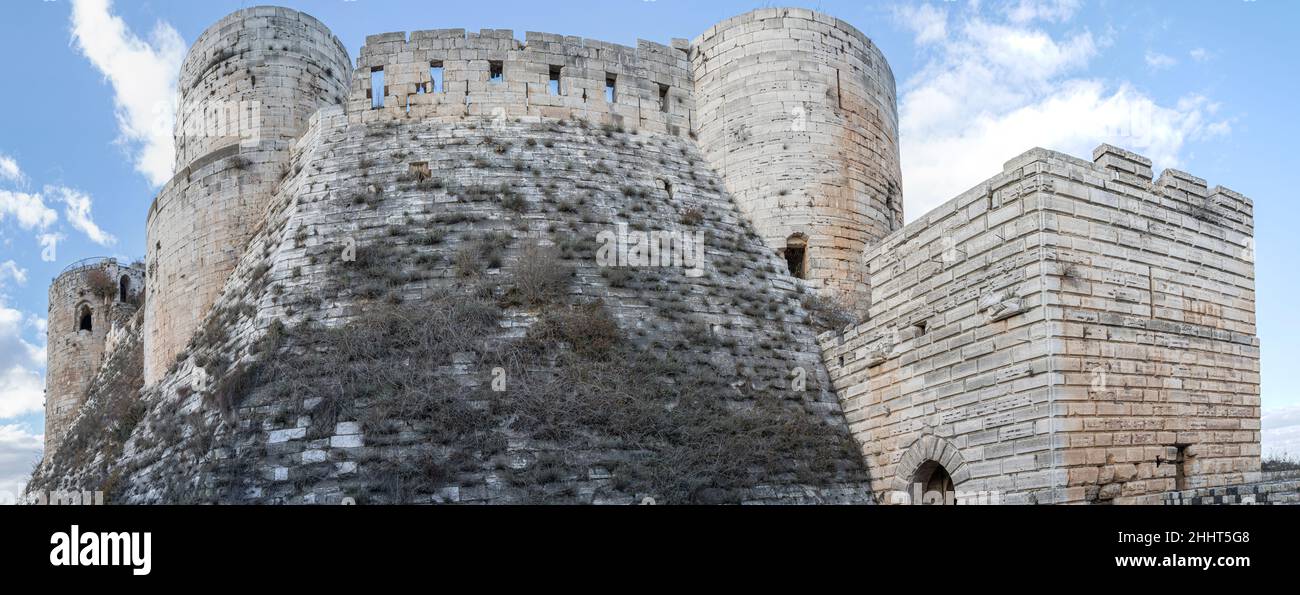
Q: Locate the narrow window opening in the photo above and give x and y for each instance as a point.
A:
(435, 76)
(1180, 468)
(796, 256)
(920, 327)
(839, 90)
(663, 98)
(611, 88)
(124, 288)
(86, 323)
(377, 90)
(555, 86)
(496, 71)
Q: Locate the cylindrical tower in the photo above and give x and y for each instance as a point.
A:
(248, 88)
(797, 111)
(87, 300)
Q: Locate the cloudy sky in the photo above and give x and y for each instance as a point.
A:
(1207, 87)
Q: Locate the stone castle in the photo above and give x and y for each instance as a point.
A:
(1068, 331)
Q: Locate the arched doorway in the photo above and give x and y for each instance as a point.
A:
(125, 288)
(936, 485)
(85, 321)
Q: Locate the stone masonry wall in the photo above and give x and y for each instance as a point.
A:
(743, 320)
(641, 76)
(74, 355)
(247, 88)
(1068, 331)
(797, 112)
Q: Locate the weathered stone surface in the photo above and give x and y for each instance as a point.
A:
(103, 295)
(1073, 339)
(1067, 331)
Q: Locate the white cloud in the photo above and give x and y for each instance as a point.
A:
(32, 213)
(997, 87)
(28, 209)
(9, 170)
(1280, 431)
(1056, 11)
(928, 23)
(19, 449)
(1200, 54)
(77, 210)
(10, 270)
(143, 75)
(22, 389)
(1159, 61)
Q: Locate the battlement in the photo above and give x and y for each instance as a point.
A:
(1069, 330)
(1066, 331)
(1135, 170)
(452, 74)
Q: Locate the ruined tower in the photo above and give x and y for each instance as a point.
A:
(797, 112)
(87, 301)
(247, 89)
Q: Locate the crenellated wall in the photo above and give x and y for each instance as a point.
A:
(652, 82)
(828, 177)
(797, 112)
(109, 294)
(248, 87)
(1068, 331)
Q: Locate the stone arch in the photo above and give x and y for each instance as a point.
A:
(85, 318)
(124, 288)
(926, 453)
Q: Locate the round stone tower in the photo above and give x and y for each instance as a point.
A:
(87, 300)
(248, 88)
(797, 111)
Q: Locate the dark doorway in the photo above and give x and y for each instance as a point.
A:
(796, 257)
(85, 322)
(936, 485)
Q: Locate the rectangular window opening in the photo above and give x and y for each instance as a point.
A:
(663, 98)
(496, 71)
(1180, 468)
(377, 90)
(611, 88)
(839, 90)
(435, 75)
(555, 86)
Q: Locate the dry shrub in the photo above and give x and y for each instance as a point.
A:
(540, 276)
(112, 412)
(668, 426)
(829, 314)
(692, 217)
(100, 283)
(587, 329)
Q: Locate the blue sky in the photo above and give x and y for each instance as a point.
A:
(1207, 87)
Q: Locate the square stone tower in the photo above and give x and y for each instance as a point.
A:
(1067, 331)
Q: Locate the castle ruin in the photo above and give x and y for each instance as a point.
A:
(1068, 331)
